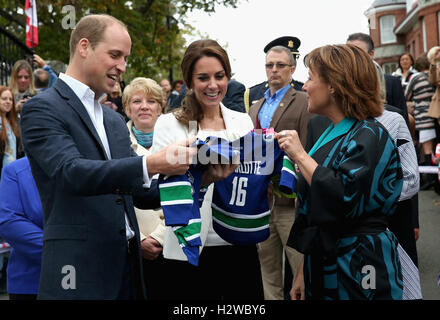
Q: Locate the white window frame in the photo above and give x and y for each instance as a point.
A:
(390, 67)
(425, 46)
(387, 34)
(438, 25)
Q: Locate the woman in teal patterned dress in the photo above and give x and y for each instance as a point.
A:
(349, 183)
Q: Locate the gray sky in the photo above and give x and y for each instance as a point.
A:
(247, 29)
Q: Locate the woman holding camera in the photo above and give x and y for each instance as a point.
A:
(22, 83)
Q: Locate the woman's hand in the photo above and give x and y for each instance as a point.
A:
(298, 288)
(150, 248)
(289, 142)
(20, 104)
(217, 172)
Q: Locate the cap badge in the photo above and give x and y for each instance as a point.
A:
(290, 44)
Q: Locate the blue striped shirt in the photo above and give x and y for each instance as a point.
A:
(270, 105)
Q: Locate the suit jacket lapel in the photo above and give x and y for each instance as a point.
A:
(254, 111)
(72, 99)
(116, 149)
(282, 107)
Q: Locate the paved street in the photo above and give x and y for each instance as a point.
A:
(427, 245)
(428, 249)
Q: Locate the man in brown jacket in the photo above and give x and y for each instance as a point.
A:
(281, 108)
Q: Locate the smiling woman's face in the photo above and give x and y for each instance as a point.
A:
(144, 111)
(209, 82)
(6, 101)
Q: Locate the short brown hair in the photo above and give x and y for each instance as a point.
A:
(192, 110)
(92, 27)
(351, 73)
(422, 62)
(145, 85)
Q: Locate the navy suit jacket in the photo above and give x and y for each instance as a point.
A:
(395, 95)
(234, 98)
(21, 225)
(84, 196)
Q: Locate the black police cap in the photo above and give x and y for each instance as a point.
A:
(291, 43)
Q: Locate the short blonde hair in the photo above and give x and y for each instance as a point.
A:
(145, 85)
(352, 74)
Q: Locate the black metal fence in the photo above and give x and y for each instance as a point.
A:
(11, 50)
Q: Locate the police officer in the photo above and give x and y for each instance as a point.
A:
(256, 92)
(281, 107)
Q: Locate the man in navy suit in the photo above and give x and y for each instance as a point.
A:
(88, 176)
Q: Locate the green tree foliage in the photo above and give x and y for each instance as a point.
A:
(156, 27)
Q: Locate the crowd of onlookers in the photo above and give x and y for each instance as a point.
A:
(420, 84)
(157, 114)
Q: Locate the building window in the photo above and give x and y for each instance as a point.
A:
(390, 67)
(387, 24)
(438, 25)
(425, 46)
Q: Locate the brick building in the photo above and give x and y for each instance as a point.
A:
(398, 26)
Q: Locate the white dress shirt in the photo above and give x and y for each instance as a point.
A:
(94, 109)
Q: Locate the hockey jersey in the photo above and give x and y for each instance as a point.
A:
(239, 206)
(182, 196)
(240, 210)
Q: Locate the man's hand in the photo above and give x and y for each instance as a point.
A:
(38, 61)
(150, 248)
(174, 159)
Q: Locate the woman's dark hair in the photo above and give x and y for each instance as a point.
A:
(191, 109)
(409, 55)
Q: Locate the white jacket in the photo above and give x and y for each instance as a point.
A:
(150, 222)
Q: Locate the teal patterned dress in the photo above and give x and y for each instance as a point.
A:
(341, 219)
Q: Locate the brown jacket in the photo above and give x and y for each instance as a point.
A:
(291, 114)
(434, 79)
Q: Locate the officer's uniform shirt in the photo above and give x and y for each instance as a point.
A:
(255, 93)
(270, 105)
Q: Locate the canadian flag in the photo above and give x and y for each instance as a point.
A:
(30, 9)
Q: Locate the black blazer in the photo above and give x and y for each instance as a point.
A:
(84, 195)
(395, 95)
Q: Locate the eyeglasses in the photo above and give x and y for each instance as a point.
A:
(278, 65)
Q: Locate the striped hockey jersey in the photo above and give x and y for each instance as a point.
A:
(239, 216)
(240, 209)
(182, 196)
